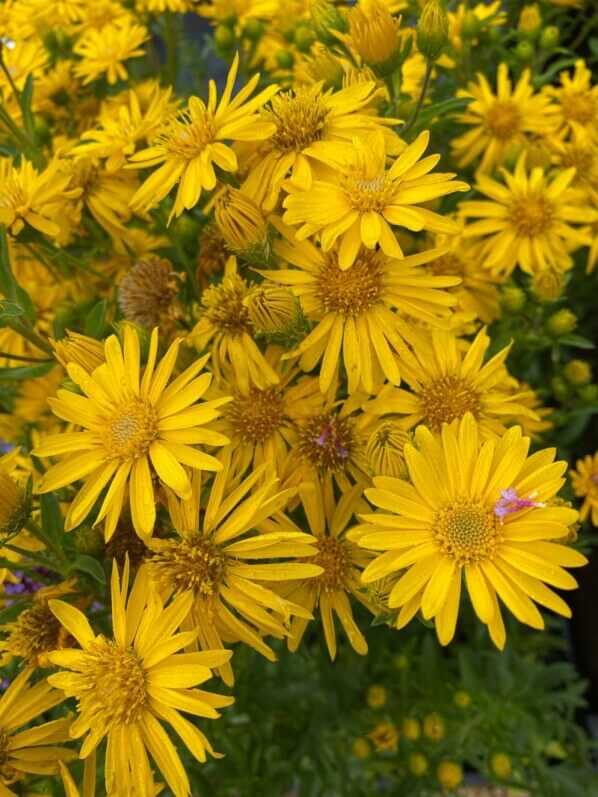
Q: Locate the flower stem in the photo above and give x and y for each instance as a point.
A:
(420, 101)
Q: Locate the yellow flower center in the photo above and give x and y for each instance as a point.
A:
(131, 430)
(354, 290)
(256, 416)
(188, 132)
(578, 106)
(449, 265)
(503, 120)
(327, 442)
(36, 632)
(582, 159)
(300, 119)
(116, 684)
(334, 558)
(84, 174)
(366, 192)
(531, 216)
(224, 305)
(192, 563)
(448, 398)
(467, 532)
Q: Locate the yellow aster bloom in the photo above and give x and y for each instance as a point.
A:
(354, 308)
(446, 384)
(162, 6)
(341, 561)
(578, 98)
(127, 686)
(528, 221)
(103, 13)
(482, 511)
(580, 151)
(30, 197)
(584, 481)
(313, 128)
(189, 143)
(486, 15)
(33, 750)
(224, 562)
(501, 122)
(135, 423)
(103, 52)
(367, 200)
(225, 326)
(23, 58)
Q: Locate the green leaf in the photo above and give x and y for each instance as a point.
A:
(8, 284)
(444, 108)
(89, 565)
(52, 520)
(562, 63)
(577, 340)
(26, 372)
(26, 99)
(10, 309)
(13, 611)
(94, 325)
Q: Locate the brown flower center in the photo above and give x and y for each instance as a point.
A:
(503, 120)
(256, 416)
(354, 290)
(448, 398)
(327, 442)
(531, 216)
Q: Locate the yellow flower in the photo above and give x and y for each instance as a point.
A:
(127, 685)
(473, 510)
(365, 199)
(341, 561)
(104, 51)
(578, 98)
(449, 774)
(528, 222)
(312, 128)
(385, 737)
(130, 419)
(377, 696)
(189, 143)
(445, 385)
(30, 197)
(499, 122)
(434, 727)
(354, 308)
(584, 481)
(227, 561)
(33, 750)
(374, 32)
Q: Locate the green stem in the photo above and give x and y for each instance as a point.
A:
(9, 356)
(420, 101)
(31, 335)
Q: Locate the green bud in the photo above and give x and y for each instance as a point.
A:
(284, 59)
(512, 299)
(327, 18)
(589, 394)
(578, 372)
(549, 38)
(560, 389)
(224, 38)
(524, 51)
(432, 29)
(304, 37)
(561, 323)
(253, 30)
(470, 27)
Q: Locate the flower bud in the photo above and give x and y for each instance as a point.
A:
(524, 52)
(327, 18)
(418, 764)
(275, 313)
(432, 29)
(589, 394)
(253, 29)
(470, 27)
(411, 729)
(377, 696)
(560, 389)
(530, 21)
(578, 372)
(385, 450)
(15, 506)
(240, 221)
(462, 699)
(434, 727)
(500, 765)
(361, 748)
(547, 285)
(561, 323)
(449, 774)
(549, 38)
(303, 37)
(284, 59)
(76, 348)
(375, 35)
(512, 299)
(224, 38)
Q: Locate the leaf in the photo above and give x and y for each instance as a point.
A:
(444, 108)
(8, 284)
(26, 371)
(562, 63)
(577, 340)
(10, 309)
(94, 325)
(89, 565)
(13, 611)
(52, 520)
(26, 100)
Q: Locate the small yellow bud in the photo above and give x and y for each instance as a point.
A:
(512, 299)
(470, 27)
(530, 21)
(275, 313)
(224, 38)
(462, 699)
(361, 748)
(449, 774)
(432, 29)
(547, 285)
(434, 727)
(375, 35)
(561, 323)
(326, 18)
(15, 506)
(76, 348)
(385, 450)
(418, 764)
(524, 51)
(500, 765)
(385, 737)
(549, 38)
(240, 221)
(560, 389)
(578, 372)
(411, 729)
(377, 696)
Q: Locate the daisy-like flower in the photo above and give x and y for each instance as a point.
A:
(353, 308)
(500, 122)
(342, 562)
(577, 97)
(30, 197)
(528, 221)
(472, 509)
(134, 424)
(584, 481)
(366, 200)
(190, 143)
(224, 562)
(33, 750)
(225, 326)
(127, 686)
(313, 127)
(103, 52)
(445, 385)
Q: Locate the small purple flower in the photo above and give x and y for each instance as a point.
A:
(510, 502)
(326, 432)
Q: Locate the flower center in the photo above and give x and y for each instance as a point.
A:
(578, 106)
(299, 117)
(334, 558)
(192, 563)
(35, 633)
(115, 683)
(449, 265)
(466, 532)
(327, 441)
(582, 159)
(448, 398)
(257, 416)
(224, 305)
(531, 216)
(354, 290)
(503, 120)
(84, 173)
(131, 430)
(188, 132)
(367, 191)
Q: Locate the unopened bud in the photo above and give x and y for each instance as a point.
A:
(561, 323)
(240, 221)
(470, 27)
(500, 765)
(76, 348)
(418, 764)
(375, 35)
(327, 18)
(224, 38)
(253, 29)
(432, 29)
(377, 696)
(275, 313)
(530, 21)
(449, 774)
(549, 38)
(578, 372)
(524, 51)
(15, 506)
(303, 37)
(512, 299)
(547, 285)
